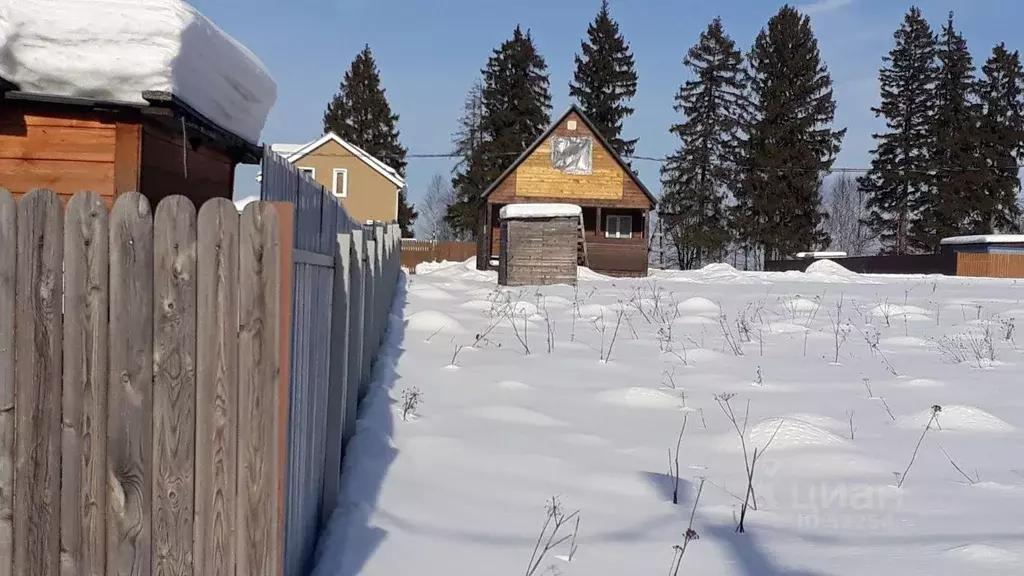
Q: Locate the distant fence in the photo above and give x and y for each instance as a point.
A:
(901, 264)
(418, 251)
(342, 281)
(176, 388)
(948, 263)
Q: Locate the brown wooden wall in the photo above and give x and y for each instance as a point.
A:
(65, 151)
(990, 265)
(168, 168)
(68, 149)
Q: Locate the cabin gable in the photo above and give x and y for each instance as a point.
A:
(536, 178)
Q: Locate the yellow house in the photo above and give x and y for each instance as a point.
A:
(365, 186)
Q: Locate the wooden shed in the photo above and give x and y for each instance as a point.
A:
(571, 162)
(539, 244)
(160, 148)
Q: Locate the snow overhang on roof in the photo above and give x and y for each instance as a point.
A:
(984, 239)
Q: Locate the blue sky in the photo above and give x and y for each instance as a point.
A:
(429, 52)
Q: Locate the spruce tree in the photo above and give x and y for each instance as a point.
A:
(516, 106)
(957, 201)
(790, 141)
(468, 180)
(700, 175)
(1001, 91)
(605, 80)
(360, 114)
(899, 177)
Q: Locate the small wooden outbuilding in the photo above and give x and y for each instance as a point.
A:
(160, 148)
(539, 244)
(571, 162)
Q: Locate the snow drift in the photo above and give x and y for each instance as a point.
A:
(116, 49)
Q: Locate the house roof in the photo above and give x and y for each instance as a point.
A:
(550, 130)
(295, 152)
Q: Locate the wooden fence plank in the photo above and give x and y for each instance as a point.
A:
(258, 522)
(217, 389)
(337, 394)
(370, 319)
(174, 364)
(129, 393)
(357, 321)
(37, 364)
(381, 291)
(83, 527)
(8, 264)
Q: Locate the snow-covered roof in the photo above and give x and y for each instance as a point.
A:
(115, 51)
(985, 239)
(286, 149)
(820, 254)
(540, 211)
(294, 152)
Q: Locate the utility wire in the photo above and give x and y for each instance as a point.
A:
(774, 169)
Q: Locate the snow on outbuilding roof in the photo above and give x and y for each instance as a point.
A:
(525, 211)
(985, 239)
(117, 52)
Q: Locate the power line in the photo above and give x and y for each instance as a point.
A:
(773, 169)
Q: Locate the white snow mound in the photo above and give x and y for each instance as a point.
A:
(698, 305)
(433, 321)
(958, 418)
(830, 268)
(116, 50)
(792, 433)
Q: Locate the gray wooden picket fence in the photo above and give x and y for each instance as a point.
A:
(140, 369)
(343, 282)
(180, 403)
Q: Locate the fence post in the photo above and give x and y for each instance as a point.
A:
(390, 275)
(371, 319)
(380, 298)
(8, 264)
(357, 317)
(337, 390)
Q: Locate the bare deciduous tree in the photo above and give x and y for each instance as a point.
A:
(846, 205)
(434, 208)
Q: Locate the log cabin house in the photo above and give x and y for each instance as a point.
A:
(571, 163)
(159, 148)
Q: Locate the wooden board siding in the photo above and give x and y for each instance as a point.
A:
(371, 196)
(613, 256)
(990, 265)
(65, 152)
(168, 167)
(536, 177)
(535, 181)
(538, 251)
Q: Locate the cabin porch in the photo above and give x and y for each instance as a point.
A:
(616, 239)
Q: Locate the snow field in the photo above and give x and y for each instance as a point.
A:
(461, 489)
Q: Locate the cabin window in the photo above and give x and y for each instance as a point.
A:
(617, 226)
(340, 183)
(308, 170)
(572, 154)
